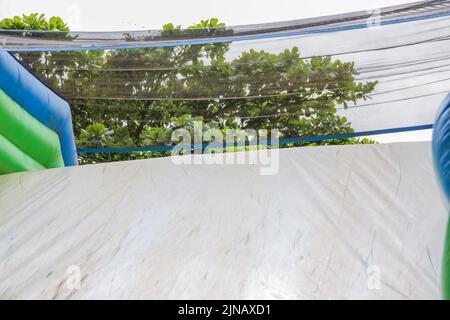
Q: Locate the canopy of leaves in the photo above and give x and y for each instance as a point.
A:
(166, 86)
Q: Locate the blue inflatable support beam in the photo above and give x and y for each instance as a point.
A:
(41, 102)
(441, 145)
(441, 154)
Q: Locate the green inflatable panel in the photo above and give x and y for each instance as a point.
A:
(14, 160)
(446, 266)
(28, 134)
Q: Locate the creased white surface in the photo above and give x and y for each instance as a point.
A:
(151, 229)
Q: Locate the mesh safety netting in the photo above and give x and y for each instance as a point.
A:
(341, 76)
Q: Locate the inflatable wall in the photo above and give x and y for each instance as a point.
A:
(441, 152)
(35, 123)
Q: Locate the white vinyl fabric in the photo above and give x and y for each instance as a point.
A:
(340, 222)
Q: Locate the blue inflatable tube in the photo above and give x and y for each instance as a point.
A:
(41, 102)
(441, 145)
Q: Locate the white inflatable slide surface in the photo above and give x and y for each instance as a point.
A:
(362, 222)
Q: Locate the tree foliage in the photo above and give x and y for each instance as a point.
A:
(280, 91)
(33, 21)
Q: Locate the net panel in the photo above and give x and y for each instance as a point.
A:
(340, 76)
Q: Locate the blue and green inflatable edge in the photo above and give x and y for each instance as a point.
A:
(441, 155)
(40, 102)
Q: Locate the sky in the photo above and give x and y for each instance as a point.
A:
(109, 15)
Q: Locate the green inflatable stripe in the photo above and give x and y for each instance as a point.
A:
(446, 266)
(29, 134)
(14, 160)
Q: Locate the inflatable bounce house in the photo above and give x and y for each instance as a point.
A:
(35, 123)
(360, 221)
